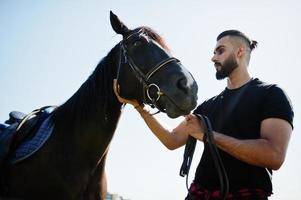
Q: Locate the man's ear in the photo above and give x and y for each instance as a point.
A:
(117, 25)
(240, 52)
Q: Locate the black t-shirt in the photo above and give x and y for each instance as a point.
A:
(238, 113)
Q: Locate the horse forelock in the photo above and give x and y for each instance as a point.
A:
(155, 36)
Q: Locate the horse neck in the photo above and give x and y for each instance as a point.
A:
(94, 107)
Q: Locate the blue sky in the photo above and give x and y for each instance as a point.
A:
(49, 48)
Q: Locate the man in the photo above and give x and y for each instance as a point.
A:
(252, 123)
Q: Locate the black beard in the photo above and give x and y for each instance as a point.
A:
(227, 68)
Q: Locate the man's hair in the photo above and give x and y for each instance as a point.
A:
(235, 33)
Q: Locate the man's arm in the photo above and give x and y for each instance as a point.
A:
(269, 151)
(172, 139)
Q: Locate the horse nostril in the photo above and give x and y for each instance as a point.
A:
(182, 85)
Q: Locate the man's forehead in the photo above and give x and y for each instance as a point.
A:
(222, 42)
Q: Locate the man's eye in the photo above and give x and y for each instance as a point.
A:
(220, 51)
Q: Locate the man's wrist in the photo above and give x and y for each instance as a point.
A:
(139, 107)
(142, 110)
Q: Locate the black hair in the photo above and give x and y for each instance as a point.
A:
(252, 43)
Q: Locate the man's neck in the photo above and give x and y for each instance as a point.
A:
(238, 78)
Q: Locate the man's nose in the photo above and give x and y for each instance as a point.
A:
(213, 59)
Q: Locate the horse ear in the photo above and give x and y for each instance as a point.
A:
(117, 25)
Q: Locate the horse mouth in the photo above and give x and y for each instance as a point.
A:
(174, 110)
(174, 115)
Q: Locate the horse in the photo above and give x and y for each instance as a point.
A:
(70, 164)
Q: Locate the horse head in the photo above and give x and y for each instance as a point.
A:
(147, 71)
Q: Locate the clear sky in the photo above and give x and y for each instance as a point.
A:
(49, 48)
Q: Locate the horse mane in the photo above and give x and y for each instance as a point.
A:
(94, 97)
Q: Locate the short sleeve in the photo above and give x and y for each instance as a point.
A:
(201, 109)
(277, 105)
(198, 110)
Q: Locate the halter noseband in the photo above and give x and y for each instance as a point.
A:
(144, 78)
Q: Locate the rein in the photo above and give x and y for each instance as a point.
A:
(145, 78)
(208, 140)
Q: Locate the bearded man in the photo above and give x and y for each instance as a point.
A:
(252, 122)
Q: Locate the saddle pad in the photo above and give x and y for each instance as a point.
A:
(33, 144)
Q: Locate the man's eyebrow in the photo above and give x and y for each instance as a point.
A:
(218, 48)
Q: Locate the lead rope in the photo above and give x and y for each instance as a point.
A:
(222, 174)
(208, 140)
(187, 159)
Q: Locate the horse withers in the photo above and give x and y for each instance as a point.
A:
(70, 164)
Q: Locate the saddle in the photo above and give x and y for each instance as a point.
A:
(17, 128)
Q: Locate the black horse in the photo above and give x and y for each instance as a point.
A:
(71, 163)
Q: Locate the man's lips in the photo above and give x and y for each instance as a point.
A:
(218, 66)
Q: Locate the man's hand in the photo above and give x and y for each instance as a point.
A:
(194, 127)
(133, 102)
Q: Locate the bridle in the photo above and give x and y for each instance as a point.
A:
(143, 78)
